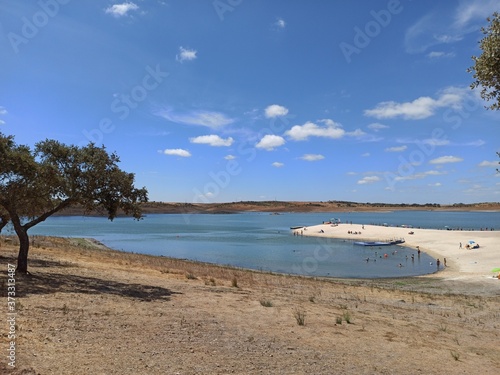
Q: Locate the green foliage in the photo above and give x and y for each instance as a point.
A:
(300, 317)
(347, 317)
(234, 282)
(54, 176)
(486, 69)
(35, 184)
(266, 303)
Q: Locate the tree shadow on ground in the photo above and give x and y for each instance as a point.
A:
(52, 282)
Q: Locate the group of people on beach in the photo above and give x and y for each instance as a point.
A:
(438, 263)
(469, 246)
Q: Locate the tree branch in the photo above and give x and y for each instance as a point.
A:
(43, 217)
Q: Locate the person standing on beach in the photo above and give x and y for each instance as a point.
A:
(460, 245)
(444, 261)
(438, 262)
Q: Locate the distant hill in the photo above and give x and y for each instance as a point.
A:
(293, 206)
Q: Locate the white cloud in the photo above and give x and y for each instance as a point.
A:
(445, 27)
(209, 119)
(312, 157)
(419, 108)
(441, 142)
(368, 180)
(434, 173)
(212, 140)
(396, 149)
(277, 164)
(469, 11)
(440, 54)
(486, 163)
(229, 157)
(280, 23)
(120, 10)
(436, 142)
(356, 133)
(186, 54)
(275, 110)
(477, 143)
(377, 126)
(430, 30)
(269, 142)
(177, 152)
(366, 154)
(310, 129)
(446, 159)
(253, 114)
(437, 184)
(3, 111)
(418, 176)
(205, 197)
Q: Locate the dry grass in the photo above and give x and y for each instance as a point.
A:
(87, 309)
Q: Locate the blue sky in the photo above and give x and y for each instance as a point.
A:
(228, 100)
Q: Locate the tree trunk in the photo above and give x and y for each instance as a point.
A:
(22, 258)
(24, 246)
(4, 220)
(22, 232)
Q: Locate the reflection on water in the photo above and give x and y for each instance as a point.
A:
(264, 242)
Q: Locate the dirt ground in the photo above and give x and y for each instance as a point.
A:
(89, 310)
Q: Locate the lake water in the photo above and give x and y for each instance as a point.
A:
(264, 242)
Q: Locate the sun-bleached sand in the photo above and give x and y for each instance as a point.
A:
(462, 263)
(86, 309)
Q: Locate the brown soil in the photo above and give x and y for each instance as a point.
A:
(89, 310)
(281, 206)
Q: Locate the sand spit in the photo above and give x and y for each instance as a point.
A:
(90, 310)
(463, 262)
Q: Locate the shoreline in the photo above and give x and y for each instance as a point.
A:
(450, 279)
(159, 315)
(294, 206)
(469, 265)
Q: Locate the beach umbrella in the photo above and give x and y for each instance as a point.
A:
(496, 269)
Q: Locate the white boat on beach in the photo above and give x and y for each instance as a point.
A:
(380, 243)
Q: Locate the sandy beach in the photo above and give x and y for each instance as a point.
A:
(87, 309)
(462, 263)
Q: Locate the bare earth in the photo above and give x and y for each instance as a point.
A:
(463, 262)
(289, 206)
(89, 310)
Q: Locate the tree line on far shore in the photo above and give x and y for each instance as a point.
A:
(40, 182)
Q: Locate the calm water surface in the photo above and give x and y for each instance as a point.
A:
(264, 242)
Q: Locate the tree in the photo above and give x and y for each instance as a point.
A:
(4, 219)
(486, 69)
(35, 184)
